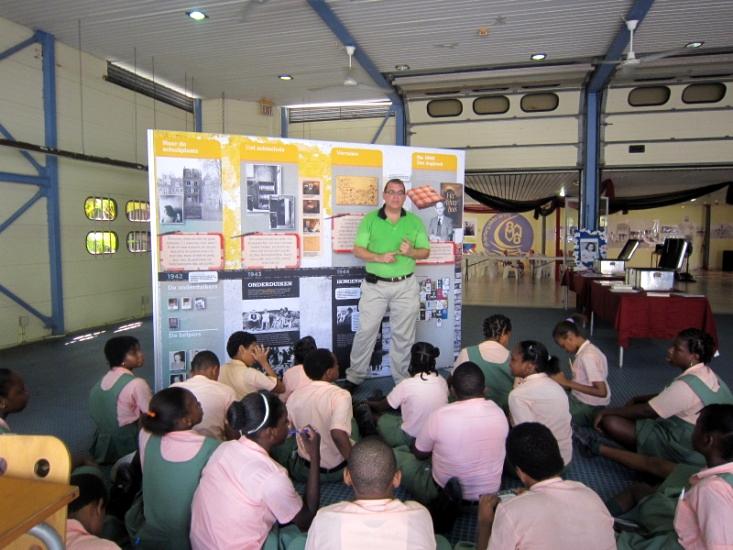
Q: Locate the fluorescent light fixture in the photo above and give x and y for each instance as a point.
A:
(197, 15)
(359, 103)
(562, 191)
(285, 76)
(402, 67)
(538, 56)
(693, 200)
(695, 44)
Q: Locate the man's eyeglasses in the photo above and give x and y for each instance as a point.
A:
(398, 193)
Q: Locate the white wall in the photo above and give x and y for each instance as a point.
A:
(675, 133)
(359, 130)
(97, 290)
(231, 116)
(513, 140)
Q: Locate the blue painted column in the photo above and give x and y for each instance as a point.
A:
(53, 212)
(284, 121)
(198, 119)
(591, 172)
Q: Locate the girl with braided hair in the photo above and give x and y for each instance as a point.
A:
(492, 357)
(416, 397)
(661, 425)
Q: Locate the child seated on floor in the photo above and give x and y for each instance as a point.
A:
(417, 397)
(464, 441)
(117, 401)
(692, 506)
(239, 373)
(13, 397)
(172, 456)
(295, 376)
(86, 515)
(492, 357)
(589, 389)
(243, 493)
(375, 519)
(538, 398)
(662, 425)
(326, 407)
(552, 514)
(213, 396)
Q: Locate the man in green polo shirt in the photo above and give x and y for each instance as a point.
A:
(389, 240)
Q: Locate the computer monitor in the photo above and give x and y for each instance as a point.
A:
(628, 250)
(673, 254)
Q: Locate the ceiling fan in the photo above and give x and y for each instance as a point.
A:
(631, 60)
(350, 78)
(244, 12)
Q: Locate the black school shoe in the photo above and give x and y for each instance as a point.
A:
(447, 506)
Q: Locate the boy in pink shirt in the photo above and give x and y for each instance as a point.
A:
(214, 396)
(530, 519)
(465, 442)
(376, 519)
(326, 407)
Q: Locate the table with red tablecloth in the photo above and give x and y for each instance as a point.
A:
(580, 283)
(640, 315)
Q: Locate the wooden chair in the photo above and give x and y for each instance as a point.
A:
(35, 458)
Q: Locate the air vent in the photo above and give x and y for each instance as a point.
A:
(145, 86)
(345, 112)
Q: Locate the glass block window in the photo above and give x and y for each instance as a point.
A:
(100, 208)
(101, 242)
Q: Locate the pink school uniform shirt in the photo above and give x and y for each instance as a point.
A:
(384, 524)
(179, 446)
(553, 514)
(133, 399)
(242, 493)
(590, 365)
(326, 407)
(294, 378)
(78, 538)
(418, 397)
(704, 517)
(467, 441)
(243, 379)
(540, 399)
(678, 399)
(215, 399)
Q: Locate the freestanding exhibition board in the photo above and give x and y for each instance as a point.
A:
(256, 234)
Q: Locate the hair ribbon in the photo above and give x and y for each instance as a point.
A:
(264, 418)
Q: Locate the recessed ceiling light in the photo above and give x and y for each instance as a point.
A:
(693, 45)
(693, 200)
(448, 45)
(197, 15)
(285, 76)
(402, 67)
(538, 56)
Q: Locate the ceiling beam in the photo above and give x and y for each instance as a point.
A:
(602, 75)
(338, 28)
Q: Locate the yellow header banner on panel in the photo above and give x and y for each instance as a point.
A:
(434, 161)
(188, 145)
(267, 151)
(343, 156)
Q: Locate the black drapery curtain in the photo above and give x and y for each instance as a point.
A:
(541, 207)
(624, 204)
(547, 205)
